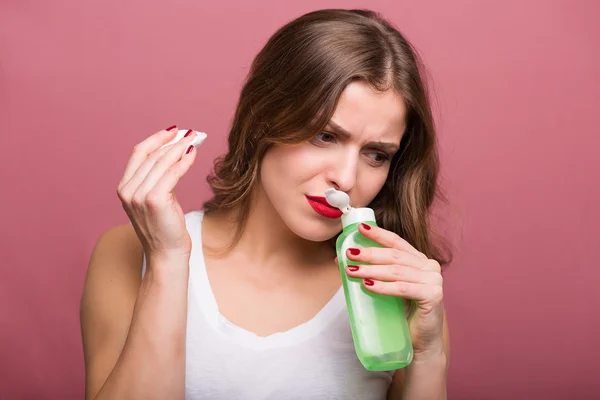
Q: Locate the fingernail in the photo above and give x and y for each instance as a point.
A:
(369, 282)
(189, 149)
(353, 268)
(366, 226)
(354, 251)
(188, 133)
(172, 127)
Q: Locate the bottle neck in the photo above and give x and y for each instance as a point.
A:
(358, 215)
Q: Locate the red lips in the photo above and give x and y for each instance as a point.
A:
(320, 205)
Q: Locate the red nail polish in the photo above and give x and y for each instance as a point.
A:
(366, 226)
(188, 133)
(172, 127)
(354, 251)
(369, 282)
(189, 149)
(353, 268)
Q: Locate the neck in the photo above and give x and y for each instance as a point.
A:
(267, 241)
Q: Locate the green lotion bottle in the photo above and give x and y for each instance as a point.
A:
(379, 324)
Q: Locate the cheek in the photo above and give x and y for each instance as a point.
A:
(292, 163)
(370, 181)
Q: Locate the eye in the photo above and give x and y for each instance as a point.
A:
(324, 137)
(377, 158)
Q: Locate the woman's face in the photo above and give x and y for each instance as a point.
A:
(353, 154)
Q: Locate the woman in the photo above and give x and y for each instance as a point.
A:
(244, 298)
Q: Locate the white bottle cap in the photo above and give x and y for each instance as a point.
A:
(338, 199)
(350, 216)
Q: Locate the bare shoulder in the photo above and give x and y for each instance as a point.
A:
(115, 262)
(110, 290)
(119, 241)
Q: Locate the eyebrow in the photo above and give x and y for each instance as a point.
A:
(386, 146)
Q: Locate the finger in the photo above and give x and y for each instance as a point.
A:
(143, 149)
(166, 184)
(385, 256)
(174, 154)
(140, 175)
(393, 273)
(132, 187)
(388, 239)
(423, 293)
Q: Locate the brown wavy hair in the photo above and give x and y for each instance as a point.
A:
(291, 93)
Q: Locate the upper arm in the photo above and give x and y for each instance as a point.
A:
(397, 386)
(109, 295)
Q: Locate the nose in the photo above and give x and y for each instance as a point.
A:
(341, 173)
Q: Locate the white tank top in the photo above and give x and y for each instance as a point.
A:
(315, 360)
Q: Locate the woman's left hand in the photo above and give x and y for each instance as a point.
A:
(398, 269)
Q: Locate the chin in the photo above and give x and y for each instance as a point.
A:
(314, 229)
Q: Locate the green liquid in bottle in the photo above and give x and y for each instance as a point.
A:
(379, 325)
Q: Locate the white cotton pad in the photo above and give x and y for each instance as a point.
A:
(197, 141)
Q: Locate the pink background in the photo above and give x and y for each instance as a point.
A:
(517, 88)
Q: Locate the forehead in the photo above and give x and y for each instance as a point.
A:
(364, 112)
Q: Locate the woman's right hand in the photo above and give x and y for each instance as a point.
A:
(147, 194)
